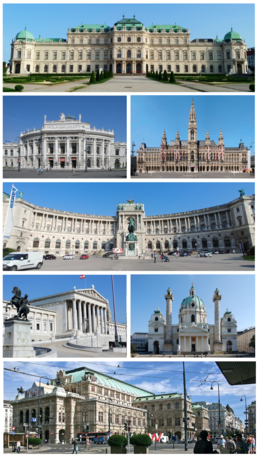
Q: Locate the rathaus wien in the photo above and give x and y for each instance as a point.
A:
(226, 226)
(193, 155)
(128, 47)
(67, 143)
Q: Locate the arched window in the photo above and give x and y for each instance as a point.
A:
(117, 152)
(129, 54)
(36, 243)
(138, 55)
(168, 406)
(77, 245)
(156, 319)
(117, 163)
(86, 245)
(129, 39)
(33, 413)
(194, 68)
(21, 417)
(184, 244)
(95, 245)
(166, 244)
(54, 68)
(47, 414)
(194, 244)
(47, 243)
(204, 243)
(58, 244)
(27, 416)
(192, 137)
(193, 318)
(46, 68)
(98, 162)
(103, 246)
(5, 244)
(227, 242)
(63, 68)
(67, 244)
(203, 69)
(98, 150)
(211, 69)
(119, 39)
(37, 68)
(138, 39)
(220, 68)
(89, 162)
(158, 245)
(177, 404)
(150, 245)
(215, 242)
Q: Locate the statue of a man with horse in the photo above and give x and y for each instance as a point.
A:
(21, 304)
(131, 228)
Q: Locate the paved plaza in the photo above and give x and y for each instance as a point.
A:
(66, 174)
(225, 262)
(192, 175)
(133, 83)
(61, 350)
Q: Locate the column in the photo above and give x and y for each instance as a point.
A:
(84, 316)
(103, 153)
(89, 318)
(216, 220)
(94, 318)
(184, 344)
(44, 152)
(205, 221)
(105, 321)
(68, 150)
(102, 320)
(197, 343)
(209, 225)
(56, 149)
(74, 314)
(227, 219)
(189, 343)
(94, 153)
(33, 153)
(79, 151)
(219, 220)
(79, 316)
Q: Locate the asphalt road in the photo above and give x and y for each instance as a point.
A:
(225, 262)
(63, 351)
(51, 175)
(192, 175)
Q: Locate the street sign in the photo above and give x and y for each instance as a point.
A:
(26, 436)
(13, 433)
(13, 428)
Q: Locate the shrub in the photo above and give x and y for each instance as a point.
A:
(97, 76)
(18, 87)
(7, 250)
(160, 76)
(252, 251)
(117, 440)
(101, 76)
(141, 440)
(156, 75)
(172, 78)
(252, 87)
(34, 441)
(93, 78)
(8, 90)
(165, 76)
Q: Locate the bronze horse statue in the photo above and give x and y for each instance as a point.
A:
(21, 304)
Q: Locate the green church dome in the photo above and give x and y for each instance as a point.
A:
(25, 35)
(192, 299)
(232, 36)
(218, 40)
(128, 21)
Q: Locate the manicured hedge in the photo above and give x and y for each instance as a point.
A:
(117, 440)
(34, 441)
(7, 250)
(141, 440)
(252, 87)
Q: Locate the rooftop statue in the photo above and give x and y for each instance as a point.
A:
(242, 192)
(62, 117)
(131, 228)
(21, 304)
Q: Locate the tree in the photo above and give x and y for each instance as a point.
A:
(172, 78)
(252, 342)
(93, 78)
(156, 75)
(165, 76)
(97, 75)
(160, 76)
(133, 348)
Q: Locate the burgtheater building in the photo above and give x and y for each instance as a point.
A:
(193, 155)
(78, 316)
(193, 334)
(67, 143)
(81, 397)
(226, 226)
(128, 46)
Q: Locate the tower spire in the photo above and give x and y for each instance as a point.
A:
(164, 139)
(217, 335)
(192, 129)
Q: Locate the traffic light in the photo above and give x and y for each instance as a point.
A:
(87, 428)
(125, 426)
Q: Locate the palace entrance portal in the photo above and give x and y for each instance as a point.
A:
(129, 67)
(119, 68)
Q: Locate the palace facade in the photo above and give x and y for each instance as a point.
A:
(127, 47)
(226, 226)
(193, 155)
(193, 334)
(66, 143)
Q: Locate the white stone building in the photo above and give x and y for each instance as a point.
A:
(192, 334)
(252, 417)
(80, 316)
(66, 143)
(8, 416)
(226, 226)
(220, 412)
(127, 47)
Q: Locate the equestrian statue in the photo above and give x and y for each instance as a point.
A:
(21, 304)
(131, 228)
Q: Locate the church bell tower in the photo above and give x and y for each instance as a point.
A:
(192, 139)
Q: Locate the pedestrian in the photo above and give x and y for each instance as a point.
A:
(154, 257)
(221, 443)
(203, 446)
(249, 444)
(162, 257)
(253, 444)
(18, 444)
(75, 446)
(241, 446)
(230, 445)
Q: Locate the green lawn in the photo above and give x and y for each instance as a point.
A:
(98, 82)
(51, 79)
(249, 258)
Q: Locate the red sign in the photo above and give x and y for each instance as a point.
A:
(26, 435)
(18, 160)
(62, 160)
(13, 428)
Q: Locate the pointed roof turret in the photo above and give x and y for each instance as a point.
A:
(164, 139)
(220, 139)
(192, 116)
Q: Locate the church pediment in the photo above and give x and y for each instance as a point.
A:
(195, 328)
(93, 294)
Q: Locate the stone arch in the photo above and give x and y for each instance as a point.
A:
(47, 243)
(158, 245)
(58, 244)
(36, 243)
(156, 347)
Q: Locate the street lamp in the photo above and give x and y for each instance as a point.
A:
(246, 412)
(211, 388)
(39, 405)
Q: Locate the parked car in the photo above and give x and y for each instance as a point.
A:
(68, 257)
(222, 251)
(84, 257)
(49, 257)
(107, 254)
(216, 252)
(16, 261)
(205, 254)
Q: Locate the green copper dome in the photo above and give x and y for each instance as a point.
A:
(218, 40)
(129, 21)
(232, 36)
(25, 35)
(192, 299)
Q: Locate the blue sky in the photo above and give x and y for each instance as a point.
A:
(147, 295)
(154, 377)
(41, 285)
(213, 113)
(23, 113)
(102, 198)
(53, 21)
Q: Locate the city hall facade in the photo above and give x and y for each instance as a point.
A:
(67, 143)
(128, 47)
(193, 155)
(35, 228)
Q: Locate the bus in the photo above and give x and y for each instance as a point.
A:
(95, 437)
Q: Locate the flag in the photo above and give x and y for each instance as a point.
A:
(82, 276)
(9, 223)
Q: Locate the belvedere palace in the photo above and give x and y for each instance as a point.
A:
(84, 397)
(128, 47)
(193, 155)
(67, 143)
(192, 334)
(35, 228)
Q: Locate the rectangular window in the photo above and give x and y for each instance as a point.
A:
(168, 55)
(160, 41)
(106, 41)
(160, 56)
(89, 41)
(152, 68)
(228, 54)
(105, 67)
(96, 67)
(37, 56)
(89, 56)
(119, 54)
(169, 68)
(168, 41)
(100, 416)
(219, 55)
(51, 327)
(46, 55)
(228, 68)
(185, 41)
(193, 56)
(186, 68)
(97, 55)
(117, 419)
(177, 68)
(97, 41)
(80, 56)
(28, 54)
(71, 68)
(72, 55)
(177, 56)
(138, 54)
(151, 56)
(211, 56)
(79, 70)
(19, 54)
(105, 55)
(63, 56)
(55, 55)
(160, 68)
(202, 56)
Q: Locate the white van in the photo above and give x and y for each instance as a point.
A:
(16, 261)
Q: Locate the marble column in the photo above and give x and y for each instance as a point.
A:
(89, 318)
(103, 153)
(44, 152)
(189, 343)
(102, 320)
(56, 150)
(219, 220)
(95, 153)
(197, 343)
(227, 219)
(34, 152)
(68, 150)
(74, 314)
(84, 306)
(94, 318)
(105, 321)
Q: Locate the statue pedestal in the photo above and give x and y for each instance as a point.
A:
(217, 348)
(167, 348)
(131, 249)
(17, 339)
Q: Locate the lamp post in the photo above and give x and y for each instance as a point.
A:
(133, 170)
(155, 428)
(211, 388)
(39, 406)
(246, 412)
